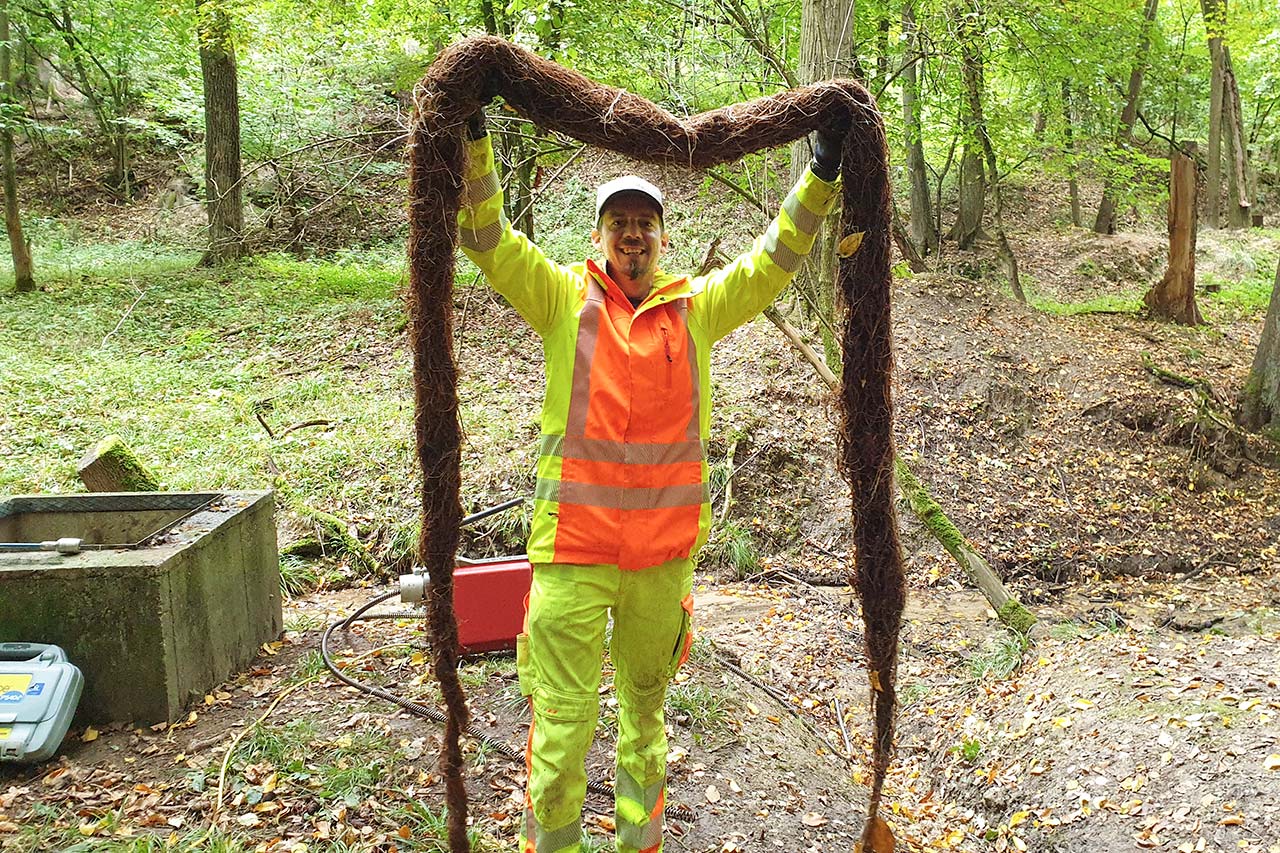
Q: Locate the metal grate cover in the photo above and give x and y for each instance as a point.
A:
(106, 502)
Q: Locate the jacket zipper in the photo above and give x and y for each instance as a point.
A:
(666, 346)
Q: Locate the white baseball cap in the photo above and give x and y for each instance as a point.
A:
(627, 183)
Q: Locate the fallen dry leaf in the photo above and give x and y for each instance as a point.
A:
(849, 244)
(90, 735)
(1272, 762)
(713, 795)
(813, 819)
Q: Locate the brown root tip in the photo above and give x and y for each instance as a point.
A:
(876, 837)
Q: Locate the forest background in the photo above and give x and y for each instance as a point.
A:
(206, 205)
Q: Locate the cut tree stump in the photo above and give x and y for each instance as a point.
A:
(1008, 609)
(111, 467)
(1174, 297)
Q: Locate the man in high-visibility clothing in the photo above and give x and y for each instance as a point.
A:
(621, 503)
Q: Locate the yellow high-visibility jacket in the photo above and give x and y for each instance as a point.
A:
(622, 471)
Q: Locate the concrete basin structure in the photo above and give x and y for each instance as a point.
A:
(173, 593)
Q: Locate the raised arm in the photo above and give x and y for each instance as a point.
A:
(732, 295)
(541, 290)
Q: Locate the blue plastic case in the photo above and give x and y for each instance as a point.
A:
(39, 691)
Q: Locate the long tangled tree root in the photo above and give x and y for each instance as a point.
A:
(467, 76)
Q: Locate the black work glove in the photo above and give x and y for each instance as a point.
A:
(476, 125)
(827, 148)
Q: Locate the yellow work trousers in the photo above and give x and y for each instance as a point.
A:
(559, 657)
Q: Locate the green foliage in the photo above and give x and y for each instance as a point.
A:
(429, 831)
(968, 750)
(298, 576)
(730, 545)
(1137, 179)
(698, 707)
(1109, 303)
(912, 693)
(999, 658)
(311, 665)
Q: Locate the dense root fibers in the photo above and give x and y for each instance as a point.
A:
(467, 76)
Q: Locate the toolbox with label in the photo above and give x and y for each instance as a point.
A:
(488, 599)
(39, 691)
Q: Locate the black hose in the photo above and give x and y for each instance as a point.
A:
(594, 786)
(493, 510)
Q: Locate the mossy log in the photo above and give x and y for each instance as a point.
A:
(111, 467)
(1008, 609)
(334, 538)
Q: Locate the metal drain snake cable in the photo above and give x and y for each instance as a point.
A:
(594, 786)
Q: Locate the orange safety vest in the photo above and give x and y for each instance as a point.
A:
(622, 472)
(632, 474)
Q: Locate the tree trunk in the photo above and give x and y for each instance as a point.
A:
(968, 225)
(973, 96)
(1105, 222)
(1174, 298)
(23, 280)
(923, 235)
(1215, 14)
(825, 50)
(1239, 185)
(973, 187)
(1073, 185)
(221, 132)
(522, 152)
(1260, 400)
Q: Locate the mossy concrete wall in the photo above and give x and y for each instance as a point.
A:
(156, 626)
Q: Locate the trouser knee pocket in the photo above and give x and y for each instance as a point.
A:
(684, 639)
(524, 665)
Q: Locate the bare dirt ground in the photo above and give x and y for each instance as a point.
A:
(1145, 714)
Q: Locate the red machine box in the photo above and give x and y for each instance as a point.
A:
(488, 599)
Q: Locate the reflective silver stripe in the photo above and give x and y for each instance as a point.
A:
(480, 189)
(604, 450)
(484, 240)
(567, 837)
(694, 428)
(649, 834)
(585, 350)
(530, 825)
(805, 219)
(628, 787)
(546, 490)
(779, 252)
(646, 837)
(616, 497)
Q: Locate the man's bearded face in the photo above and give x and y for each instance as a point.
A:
(630, 235)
